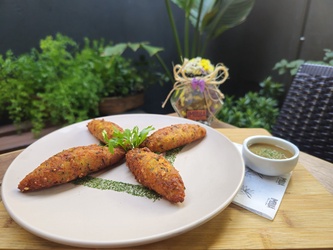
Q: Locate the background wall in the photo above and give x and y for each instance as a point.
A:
(274, 30)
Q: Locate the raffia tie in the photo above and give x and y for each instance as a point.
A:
(183, 81)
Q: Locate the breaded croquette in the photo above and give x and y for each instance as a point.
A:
(173, 136)
(96, 127)
(70, 164)
(155, 172)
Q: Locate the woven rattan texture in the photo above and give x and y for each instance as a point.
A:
(306, 116)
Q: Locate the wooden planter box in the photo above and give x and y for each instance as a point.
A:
(12, 140)
(117, 105)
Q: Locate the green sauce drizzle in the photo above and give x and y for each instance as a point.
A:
(172, 154)
(104, 184)
(117, 186)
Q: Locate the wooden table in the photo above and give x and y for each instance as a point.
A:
(304, 220)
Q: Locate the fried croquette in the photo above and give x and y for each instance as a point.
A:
(70, 164)
(96, 127)
(155, 172)
(173, 136)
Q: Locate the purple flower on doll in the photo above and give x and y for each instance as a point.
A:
(198, 83)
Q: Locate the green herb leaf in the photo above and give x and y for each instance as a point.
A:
(128, 139)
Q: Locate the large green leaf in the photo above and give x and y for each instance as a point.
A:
(226, 14)
(134, 46)
(216, 16)
(119, 48)
(152, 50)
(193, 7)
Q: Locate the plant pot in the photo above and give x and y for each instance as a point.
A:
(117, 105)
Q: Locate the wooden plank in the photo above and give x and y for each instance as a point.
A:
(18, 141)
(12, 129)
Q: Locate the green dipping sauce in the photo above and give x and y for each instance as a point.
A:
(270, 151)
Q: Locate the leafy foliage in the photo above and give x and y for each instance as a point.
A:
(128, 139)
(60, 84)
(49, 85)
(291, 67)
(115, 50)
(209, 18)
(255, 109)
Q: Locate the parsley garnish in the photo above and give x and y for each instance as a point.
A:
(128, 139)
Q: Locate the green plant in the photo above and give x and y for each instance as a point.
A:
(291, 67)
(127, 139)
(53, 84)
(59, 83)
(209, 18)
(116, 50)
(255, 109)
(121, 76)
(128, 77)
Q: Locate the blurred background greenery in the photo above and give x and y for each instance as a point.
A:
(274, 30)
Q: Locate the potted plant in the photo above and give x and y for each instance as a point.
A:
(124, 87)
(60, 83)
(125, 90)
(51, 85)
(123, 79)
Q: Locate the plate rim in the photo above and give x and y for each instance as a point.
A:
(137, 241)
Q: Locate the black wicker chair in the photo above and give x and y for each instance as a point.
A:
(306, 116)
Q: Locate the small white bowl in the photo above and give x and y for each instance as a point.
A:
(267, 166)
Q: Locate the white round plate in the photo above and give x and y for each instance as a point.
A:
(212, 170)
